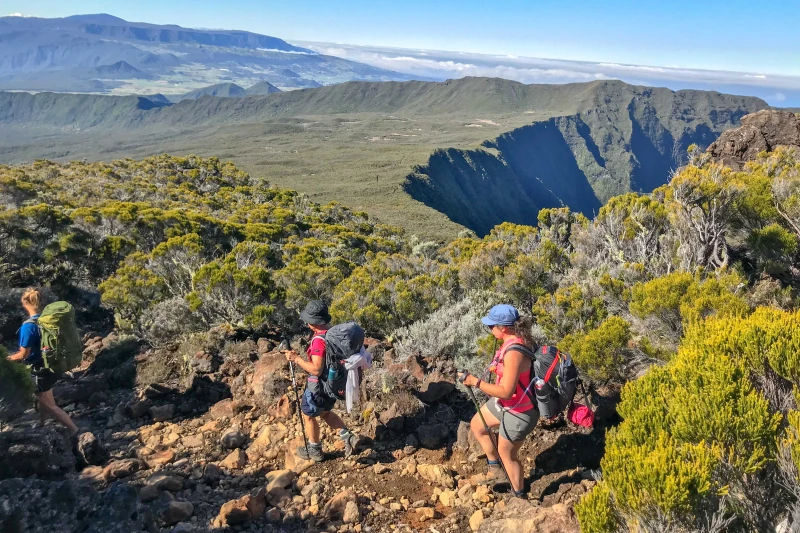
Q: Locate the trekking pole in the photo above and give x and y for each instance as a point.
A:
(285, 342)
(462, 375)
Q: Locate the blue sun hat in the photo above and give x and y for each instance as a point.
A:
(501, 315)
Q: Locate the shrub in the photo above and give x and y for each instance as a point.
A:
(595, 511)
(678, 300)
(16, 387)
(600, 353)
(695, 428)
(570, 309)
(392, 291)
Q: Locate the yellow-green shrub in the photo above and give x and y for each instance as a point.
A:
(696, 425)
(595, 511)
(600, 352)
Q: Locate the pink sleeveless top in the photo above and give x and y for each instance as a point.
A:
(520, 402)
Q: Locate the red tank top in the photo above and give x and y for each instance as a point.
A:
(520, 402)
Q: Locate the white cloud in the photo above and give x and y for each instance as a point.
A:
(18, 15)
(444, 64)
(779, 97)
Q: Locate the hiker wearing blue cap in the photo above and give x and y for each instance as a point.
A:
(511, 408)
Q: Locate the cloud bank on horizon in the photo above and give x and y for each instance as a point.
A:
(781, 91)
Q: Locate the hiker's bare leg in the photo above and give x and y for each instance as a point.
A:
(47, 403)
(312, 428)
(332, 419)
(508, 453)
(484, 439)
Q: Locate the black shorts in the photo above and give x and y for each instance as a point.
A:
(43, 378)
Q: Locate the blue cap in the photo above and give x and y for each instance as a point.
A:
(501, 315)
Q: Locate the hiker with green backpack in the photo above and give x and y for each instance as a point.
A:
(334, 357)
(48, 343)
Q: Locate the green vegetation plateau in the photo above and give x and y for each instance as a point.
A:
(433, 158)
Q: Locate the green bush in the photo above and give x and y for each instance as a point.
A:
(695, 428)
(16, 387)
(600, 353)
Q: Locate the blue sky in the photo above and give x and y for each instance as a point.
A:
(734, 35)
(726, 35)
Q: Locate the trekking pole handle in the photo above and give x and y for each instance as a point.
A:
(284, 345)
(462, 375)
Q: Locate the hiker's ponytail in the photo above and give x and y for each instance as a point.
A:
(33, 298)
(523, 328)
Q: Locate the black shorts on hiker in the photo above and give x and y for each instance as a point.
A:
(314, 405)
(43, 378)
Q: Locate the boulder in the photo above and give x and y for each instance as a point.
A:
(278, 496)
(466, 441)
(157, 391)
(162, 413)
(432, 436)
(351, 514)
(448, 498)
(44, 451)
(476, 520)
(269, 437)
(268, 378)
(203, 363)
(233, 438)
(160, 458)
(392, 418)
(280, 478)
(165, 481)
(222, 409)
(283, 408)
(335, 508)
(402, 369)
(256, 502)
(137, 408)
(759, 132)
(91, 450)
(522, 516)
(233, 513)
(235, 460)
(435, 387)
(437, 474)
(122, 469)
(169, 512)
(80, 390)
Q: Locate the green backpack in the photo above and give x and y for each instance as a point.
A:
(62, 349)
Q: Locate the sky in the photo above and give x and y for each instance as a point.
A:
(735, 36)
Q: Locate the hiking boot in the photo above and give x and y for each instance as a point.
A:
(494, 475)
(350, 444)
(312, 453)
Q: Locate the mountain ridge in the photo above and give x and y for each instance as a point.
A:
(431, 157)
(59, 55)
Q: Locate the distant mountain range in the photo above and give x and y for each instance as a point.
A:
(423, 155)
(101, 53)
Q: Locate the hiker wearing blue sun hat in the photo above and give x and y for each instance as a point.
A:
(510, 408)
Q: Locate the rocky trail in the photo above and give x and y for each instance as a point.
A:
(213, 450)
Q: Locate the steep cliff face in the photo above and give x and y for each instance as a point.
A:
(579, 161)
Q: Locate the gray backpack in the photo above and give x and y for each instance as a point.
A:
(341, 341)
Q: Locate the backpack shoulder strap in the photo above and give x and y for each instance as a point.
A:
(524, 350)
(550, 370)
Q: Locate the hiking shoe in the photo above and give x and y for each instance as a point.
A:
(350, 444)
(494, 475)
(311, 453)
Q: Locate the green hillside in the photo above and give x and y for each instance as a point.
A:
(378, 147)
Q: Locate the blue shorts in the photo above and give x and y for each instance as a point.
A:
(314, 405)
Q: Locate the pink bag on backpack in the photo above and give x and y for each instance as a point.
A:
(580, 415)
